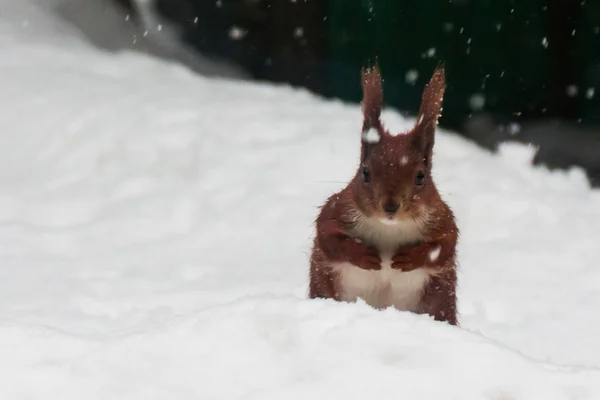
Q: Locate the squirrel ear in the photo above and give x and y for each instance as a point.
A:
(429, 112)
(372, 102)
(372, 97)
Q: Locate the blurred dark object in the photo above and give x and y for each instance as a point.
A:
(561, 143)
(127, 5)
(133, 25)
(274, 40)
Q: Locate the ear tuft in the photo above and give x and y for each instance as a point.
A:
(433, 97)
(429, 112)
(372, 101)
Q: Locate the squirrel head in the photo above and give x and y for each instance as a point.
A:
(393, 181)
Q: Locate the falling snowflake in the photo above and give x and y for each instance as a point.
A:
(434, 254)
(589, 94)
(572, 90)
(236, 33)
(429, 53)
(477, 101)
(514, 128)
(411, 76)
(371, 136)
(545, 42)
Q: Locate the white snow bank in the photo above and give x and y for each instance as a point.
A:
(281, 348)
(155, 228)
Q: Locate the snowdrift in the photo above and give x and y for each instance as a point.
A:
(281, 347)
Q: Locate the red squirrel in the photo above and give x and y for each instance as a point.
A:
(388, 237)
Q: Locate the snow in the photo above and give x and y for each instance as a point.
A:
(155, 229)
(589, 94)
(370, 136)
(435, 253)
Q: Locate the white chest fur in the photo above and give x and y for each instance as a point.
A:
(386, 287)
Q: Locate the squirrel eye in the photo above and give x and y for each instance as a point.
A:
(420, 179)
(366, 175)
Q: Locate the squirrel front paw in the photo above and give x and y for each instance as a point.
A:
(412, 257)
(364, 257)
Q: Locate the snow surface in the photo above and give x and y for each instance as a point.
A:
(155, 229)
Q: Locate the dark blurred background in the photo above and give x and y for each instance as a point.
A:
(518, 70)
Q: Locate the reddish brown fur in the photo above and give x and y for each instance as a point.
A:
(393, 164)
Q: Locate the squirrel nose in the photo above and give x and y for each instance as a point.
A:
(391, 206)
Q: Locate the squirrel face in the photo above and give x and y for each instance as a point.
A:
(393, 181)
